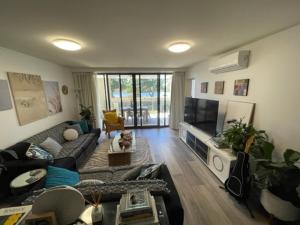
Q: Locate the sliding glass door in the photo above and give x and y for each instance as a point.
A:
(142, 99)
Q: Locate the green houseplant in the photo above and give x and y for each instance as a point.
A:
(86, 113)
(237, 135)
(281, 178)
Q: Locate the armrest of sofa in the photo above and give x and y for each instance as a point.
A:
(172, 201)
(96, 131)
(66, 163)
(14, 168)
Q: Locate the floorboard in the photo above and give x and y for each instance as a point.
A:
(204, 202)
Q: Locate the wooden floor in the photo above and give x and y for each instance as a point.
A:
(203, 201)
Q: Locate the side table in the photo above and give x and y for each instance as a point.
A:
(25, 181)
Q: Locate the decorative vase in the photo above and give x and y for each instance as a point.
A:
(278, 207)
(97, 215)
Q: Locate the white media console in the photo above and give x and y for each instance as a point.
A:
(219, 161)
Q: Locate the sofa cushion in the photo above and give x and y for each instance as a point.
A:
(150, 173)
(55, 133)
(7, 155)
(74, 148)
(20, 149)
(59, 176)
(35, 152)
(111, 117)
(51, 146)
(71, 134)
(132, 174)
(76, 127)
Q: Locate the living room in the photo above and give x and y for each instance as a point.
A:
(118, 111)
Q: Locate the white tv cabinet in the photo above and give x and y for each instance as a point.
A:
(219, 161)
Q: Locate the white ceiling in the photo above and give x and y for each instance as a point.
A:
(135, 33)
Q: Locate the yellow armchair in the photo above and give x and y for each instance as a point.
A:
(112, 122)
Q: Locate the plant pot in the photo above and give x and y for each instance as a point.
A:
(279, 208)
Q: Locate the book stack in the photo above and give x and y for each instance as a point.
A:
(137, 207)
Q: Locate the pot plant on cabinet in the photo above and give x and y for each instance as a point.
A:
(237, 135)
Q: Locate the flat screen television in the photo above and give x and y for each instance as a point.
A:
(202, 114)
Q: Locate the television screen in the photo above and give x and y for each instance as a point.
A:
(202, 113)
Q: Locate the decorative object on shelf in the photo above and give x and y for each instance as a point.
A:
(29, 97)
(93, 213)
(44, 218)
(53, 97)
(125, 139)
(219, 87)
(204, 87)
(137, 207)
(65, 89)
(5, 101)
(279, 182)
(241, 87)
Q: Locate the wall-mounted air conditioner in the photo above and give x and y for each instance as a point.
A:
(234, 61)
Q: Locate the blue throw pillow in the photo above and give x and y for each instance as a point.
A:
(59, 176)
(84, 126)
(36, 152)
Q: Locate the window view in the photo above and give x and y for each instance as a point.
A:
(142, 99)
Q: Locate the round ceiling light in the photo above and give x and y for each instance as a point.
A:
(179, 47)
(67, 45)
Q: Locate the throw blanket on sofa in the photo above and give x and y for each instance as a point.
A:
(111, 190)
(158, 187)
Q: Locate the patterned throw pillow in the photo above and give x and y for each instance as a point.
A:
(151, 172)
(35, 152)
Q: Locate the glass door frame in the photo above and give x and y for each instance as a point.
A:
(136, 77)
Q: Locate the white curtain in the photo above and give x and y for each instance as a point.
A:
(86, 92)
(177, 99)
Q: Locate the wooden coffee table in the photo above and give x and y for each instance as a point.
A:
(118, 156)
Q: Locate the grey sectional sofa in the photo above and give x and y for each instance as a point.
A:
(80, 149)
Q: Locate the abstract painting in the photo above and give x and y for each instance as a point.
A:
(29, 97)
(5, 101)
(204, 87)
(219, 87)
(241, 87)
(53, 97)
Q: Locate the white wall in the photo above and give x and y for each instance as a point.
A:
(11, 61)
(274, 73)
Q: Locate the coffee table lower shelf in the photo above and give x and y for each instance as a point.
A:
(110, 211)
(119, 158)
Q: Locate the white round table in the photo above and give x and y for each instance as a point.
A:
(27, 179)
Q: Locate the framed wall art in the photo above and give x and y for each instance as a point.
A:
(5, 101)
(53, 97)
(29, 97)
(241, 87)
(219, 87)
(204, 87)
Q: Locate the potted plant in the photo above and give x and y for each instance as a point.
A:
(237, 135)
(279, 182)
(86, 113)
